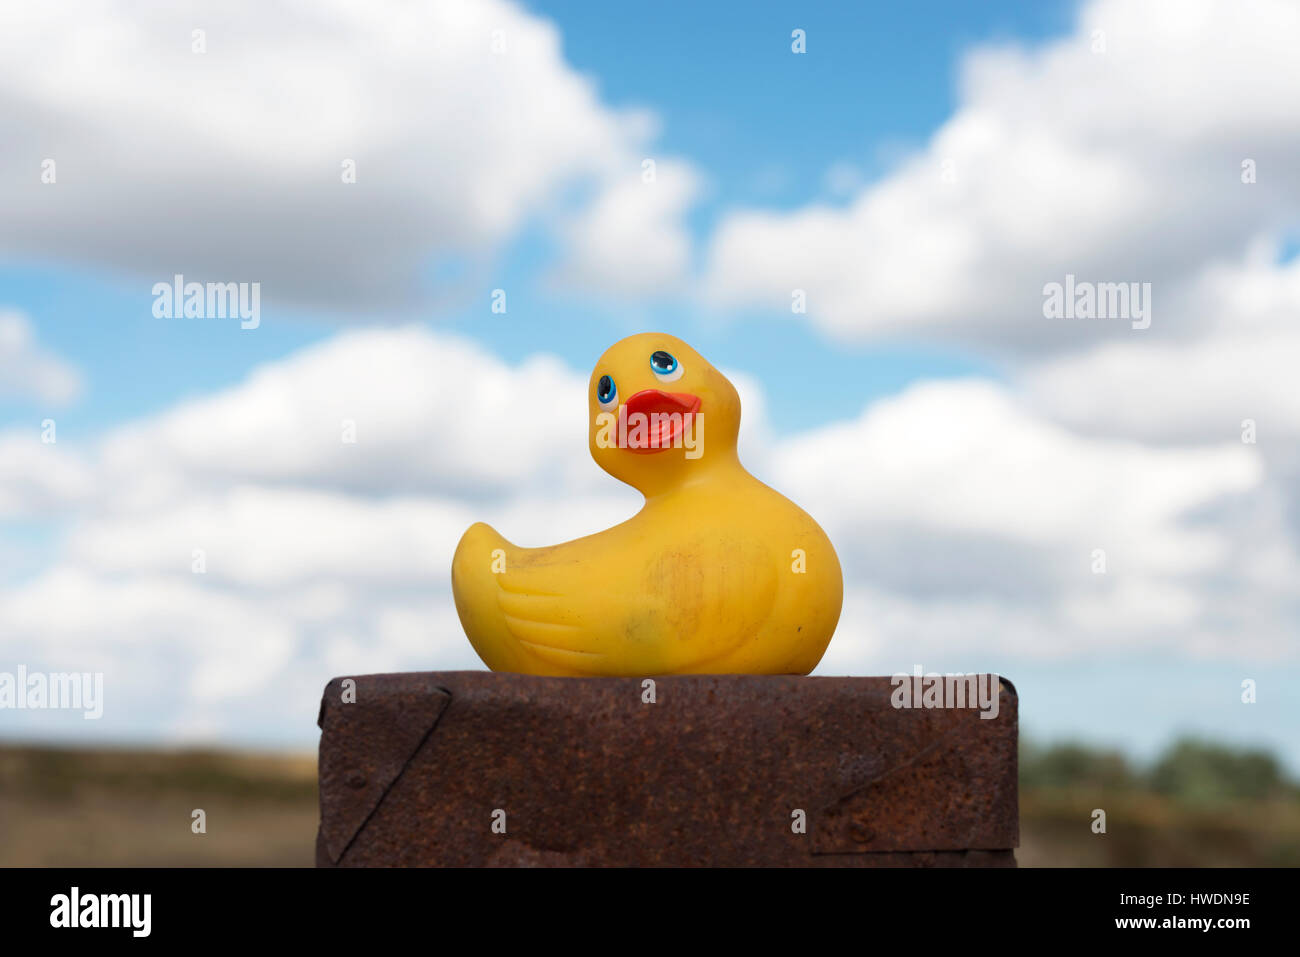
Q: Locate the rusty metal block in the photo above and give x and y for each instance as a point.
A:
(477, 768)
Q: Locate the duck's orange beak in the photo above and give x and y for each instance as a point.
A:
(665, 417)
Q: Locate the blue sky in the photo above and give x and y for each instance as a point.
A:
(965, 456)
(769, 124)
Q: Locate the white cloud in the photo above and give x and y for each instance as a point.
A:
(39, 479)
(265, 538)
(27, 370)
(967, 526)
(1202, 389)
(633, 240)
(964, 456)
(462, 117)
(430, 413)
(1115, 166)
(209, 638)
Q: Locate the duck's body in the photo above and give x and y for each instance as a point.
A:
(717, 573)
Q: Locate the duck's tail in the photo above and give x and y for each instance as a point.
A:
(482, 555)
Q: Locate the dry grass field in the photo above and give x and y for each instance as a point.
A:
(1146, 830)
(134, 808)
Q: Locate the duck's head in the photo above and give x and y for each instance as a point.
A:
(659, 413)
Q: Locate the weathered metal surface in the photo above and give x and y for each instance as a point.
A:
(370, 747)
(583, 771)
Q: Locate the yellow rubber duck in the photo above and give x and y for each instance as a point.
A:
(717, 573)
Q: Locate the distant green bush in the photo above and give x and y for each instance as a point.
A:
(1074, 765)
(1202, 771)
(1190, 770)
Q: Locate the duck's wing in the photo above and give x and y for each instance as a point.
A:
(671, 612)
(552, 619)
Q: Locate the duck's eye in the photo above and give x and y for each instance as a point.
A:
(665, 366)
(606, 393)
